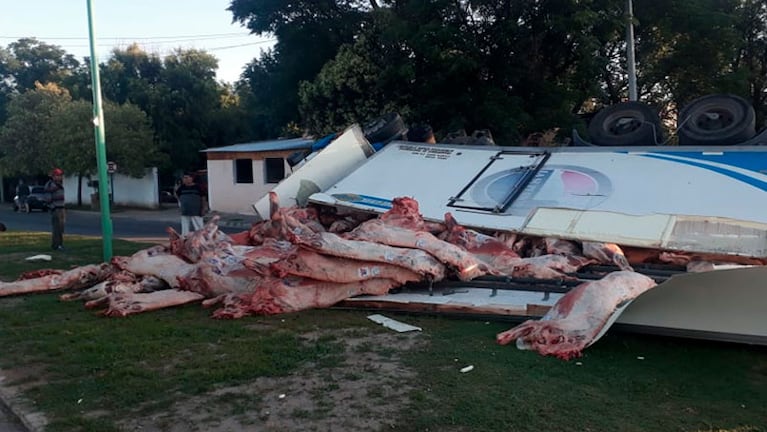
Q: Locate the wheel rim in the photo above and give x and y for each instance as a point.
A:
(715, 120)
(623, 125)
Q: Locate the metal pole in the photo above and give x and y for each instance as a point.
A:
(101, 152)
(630, 51)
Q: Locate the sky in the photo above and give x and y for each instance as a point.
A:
(158, 26)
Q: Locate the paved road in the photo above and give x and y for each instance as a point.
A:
(137, 223)
(8, 422)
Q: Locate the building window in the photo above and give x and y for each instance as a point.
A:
(275, 169)
(243, 171)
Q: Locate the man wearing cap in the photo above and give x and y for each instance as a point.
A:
(55, 187)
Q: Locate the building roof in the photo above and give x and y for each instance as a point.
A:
(263, 146)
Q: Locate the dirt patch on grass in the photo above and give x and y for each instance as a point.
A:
(363, 389)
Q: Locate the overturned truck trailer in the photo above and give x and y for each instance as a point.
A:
(699, 200)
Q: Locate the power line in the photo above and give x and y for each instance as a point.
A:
(240, 45)
(167, 42)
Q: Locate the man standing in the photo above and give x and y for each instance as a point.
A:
(55, 187)
(191, 201)
(22, 192)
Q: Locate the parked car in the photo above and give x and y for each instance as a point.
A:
(38, 199)
(167, 197)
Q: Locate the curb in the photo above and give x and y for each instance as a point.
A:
(13, 404)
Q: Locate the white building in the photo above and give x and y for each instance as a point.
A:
(240, 174)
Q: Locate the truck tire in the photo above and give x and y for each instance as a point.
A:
(625, 124)
(384, 129)
(718, 119)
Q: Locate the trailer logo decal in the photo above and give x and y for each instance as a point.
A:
(555, 185)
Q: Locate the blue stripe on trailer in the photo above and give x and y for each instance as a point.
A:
(739, 162)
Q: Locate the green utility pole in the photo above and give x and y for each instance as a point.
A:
(101, 151)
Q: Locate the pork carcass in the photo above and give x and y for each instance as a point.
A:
(546, 267)
(155, 261)
(606, 253)
(193, 245)
(557, 246)
(124, 304)
(466, 265)
(116, 285)
(310, 264)
(274, 227)
(292, 294)
(79, 277)
(487, 249)
(331, 244)
(234, 270)
(580, 317)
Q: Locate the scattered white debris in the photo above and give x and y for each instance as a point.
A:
(578, 364)
(79, 401)
(281, 396)
(468, 368)
(640, 358)
(392, 324)
(41, 257)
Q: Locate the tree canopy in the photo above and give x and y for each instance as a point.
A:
(513, 67)
(47, 129)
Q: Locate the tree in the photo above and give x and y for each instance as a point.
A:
(309, 34)
(29, 61)
(32, 61)
(25, 136)
(46, 128)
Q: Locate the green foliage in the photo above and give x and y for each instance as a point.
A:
(24, 138)
(512, 67)
(46, 128)
(181, 96)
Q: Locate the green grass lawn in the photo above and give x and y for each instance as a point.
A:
(178, 369)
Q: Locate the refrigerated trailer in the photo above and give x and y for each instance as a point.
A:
(706, 200)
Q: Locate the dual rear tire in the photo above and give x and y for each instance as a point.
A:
(718, 119)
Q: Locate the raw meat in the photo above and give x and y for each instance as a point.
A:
(292, 294)
(487, 249)
(607, 253)
(124, 304)
(579, 317)
(79, 277)
(310, 264)
(556, 246)
(546, 267)
(467, 266)
(156, 261)
(331, 244)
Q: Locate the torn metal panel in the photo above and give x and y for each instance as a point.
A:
(717, 235)
(725, 302)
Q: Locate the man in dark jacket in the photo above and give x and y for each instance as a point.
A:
(192, 202)
(55, 187)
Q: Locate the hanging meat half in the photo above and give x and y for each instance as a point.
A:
(579, 317)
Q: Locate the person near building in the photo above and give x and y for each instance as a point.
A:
(22, 193)
(55, 187)
(191, 201)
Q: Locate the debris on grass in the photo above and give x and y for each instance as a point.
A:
(393, 324)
